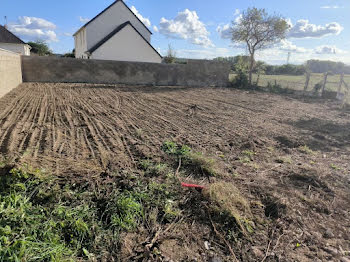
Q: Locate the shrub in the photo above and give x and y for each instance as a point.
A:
(241, 80)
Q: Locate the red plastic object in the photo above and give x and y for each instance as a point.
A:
(192, 185)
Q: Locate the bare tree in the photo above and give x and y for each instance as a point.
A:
(170, 58)
(258, 30)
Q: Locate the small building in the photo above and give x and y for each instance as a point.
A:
(10, 42)
(116, 34)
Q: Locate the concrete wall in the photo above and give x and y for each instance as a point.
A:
(70, 70)
(10, 71)
(127, 45)
(22, 49)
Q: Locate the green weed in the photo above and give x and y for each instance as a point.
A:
(335, 167)
(305, 149)
(194, 161)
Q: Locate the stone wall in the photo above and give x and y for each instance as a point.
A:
(70, 70)
(10, 71)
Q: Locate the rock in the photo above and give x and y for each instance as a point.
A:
(345, 259)
(215, 259)
(257, 252)
(328, 234)
(206, 245)
(331, 250)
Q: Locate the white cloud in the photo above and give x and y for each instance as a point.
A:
(288, 46)
(207, 53)
(155, 28)
(328, 50)
(83, 19)
(34, 28)
(67, 34)
(225, 31)
(330, 7)
(186, 25)
(144, 20)
(237, 12)
(303, 29)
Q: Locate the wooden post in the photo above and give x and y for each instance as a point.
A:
(308, 75)
(346, 93)
(341, 82)
(324, 82)
(257, 80)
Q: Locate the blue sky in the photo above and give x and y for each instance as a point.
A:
(320, 29)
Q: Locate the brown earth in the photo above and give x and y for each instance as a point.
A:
(289, 157)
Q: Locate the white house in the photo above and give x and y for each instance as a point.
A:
(10, 42)
(116, 34)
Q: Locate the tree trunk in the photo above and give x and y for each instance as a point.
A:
(251, 67)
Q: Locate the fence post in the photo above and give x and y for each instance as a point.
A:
(346, 93)
(341, 82)
(324, 82)
(308, 75)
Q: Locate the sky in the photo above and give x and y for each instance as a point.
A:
(319, 29)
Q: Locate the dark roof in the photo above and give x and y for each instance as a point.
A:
(116, 31)
(106, 10)
(7, 37)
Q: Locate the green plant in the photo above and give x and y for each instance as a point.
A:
(126, 211)
(307, 150)
(335, 167)
(240, 80)
(152, 169)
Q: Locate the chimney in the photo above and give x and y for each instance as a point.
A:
(5, 25)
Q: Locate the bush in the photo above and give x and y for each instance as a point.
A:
(241, 80)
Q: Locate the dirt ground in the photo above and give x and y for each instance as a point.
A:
(289, 156)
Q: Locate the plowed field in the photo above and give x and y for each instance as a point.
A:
(281, 150)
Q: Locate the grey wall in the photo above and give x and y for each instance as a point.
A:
(10, 71)
(70, 70)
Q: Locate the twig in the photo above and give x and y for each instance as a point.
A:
(178, 168)
(159, 232)
(277, 242)
(268, 247)
(267, 251)
(222, 237)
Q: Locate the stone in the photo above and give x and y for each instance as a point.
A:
(257, 252)
(215, 259)
(328, 234)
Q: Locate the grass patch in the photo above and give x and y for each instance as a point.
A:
(230, 207)
(307, 150)
(42, 219)
(196, 162)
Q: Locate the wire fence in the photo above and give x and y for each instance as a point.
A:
(298, 82)
(337, 85)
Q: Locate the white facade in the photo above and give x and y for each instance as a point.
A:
(80, 44)
(22, 49)
(126, 45)
(106, 22)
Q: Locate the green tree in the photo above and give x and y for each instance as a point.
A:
(40, 47)
(72, 54)
(258, 30)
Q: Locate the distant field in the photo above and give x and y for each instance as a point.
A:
(298, 82)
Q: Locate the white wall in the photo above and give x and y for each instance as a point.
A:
(10, 71)
(80, 44)
(109, 20)
(22, 49)
(127, 45)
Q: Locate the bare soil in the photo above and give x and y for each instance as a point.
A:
(288, 156)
